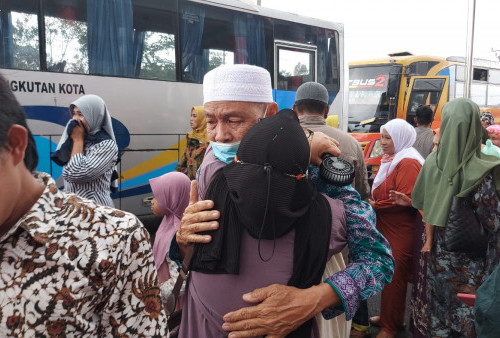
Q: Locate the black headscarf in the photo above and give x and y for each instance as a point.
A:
(265, 192)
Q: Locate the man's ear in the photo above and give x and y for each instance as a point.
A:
(415, 120)
(294, 108)
(326, 111)
(18, 140)
(272, 109)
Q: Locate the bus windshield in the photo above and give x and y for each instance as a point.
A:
(368, 102)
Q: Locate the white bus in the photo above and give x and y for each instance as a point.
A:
(147, 59)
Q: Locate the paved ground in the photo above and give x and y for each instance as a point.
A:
(374, 310)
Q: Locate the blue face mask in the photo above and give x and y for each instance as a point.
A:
(225, 152)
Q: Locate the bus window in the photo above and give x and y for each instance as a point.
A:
(368, 101)
(213, 36)
(66, 36)
(480, 74)
(425, 91)
(19, 44)
(295, 67)
(155, 22)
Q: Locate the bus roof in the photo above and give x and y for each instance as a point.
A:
(272, 13)
(408, 59)
(405, 60)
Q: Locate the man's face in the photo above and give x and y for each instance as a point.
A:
(229, 121)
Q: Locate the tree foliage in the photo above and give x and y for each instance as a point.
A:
(158, 58)
(25, 33)
(67, 50)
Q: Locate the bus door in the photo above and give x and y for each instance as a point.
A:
(294, 64)
(425, 90)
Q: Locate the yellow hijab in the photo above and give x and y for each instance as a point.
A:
(200, 133)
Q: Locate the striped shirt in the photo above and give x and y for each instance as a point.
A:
(88, 175)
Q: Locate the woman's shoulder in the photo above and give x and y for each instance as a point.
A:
(108, 145)
(336, 205)
(409, 163)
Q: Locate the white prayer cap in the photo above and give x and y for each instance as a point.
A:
(237, 83)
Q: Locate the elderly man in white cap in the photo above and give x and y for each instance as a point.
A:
(235, 98)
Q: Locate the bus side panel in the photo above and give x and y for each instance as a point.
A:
(154, 116)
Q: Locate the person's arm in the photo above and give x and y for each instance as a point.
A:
(85, 168)
(281, 310)
(372, 262)
(429, 234)
(133, 306)
(361, 179)
(182, 164)
(399, 198)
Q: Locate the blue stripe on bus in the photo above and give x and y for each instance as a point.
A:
(61, 116)
(444, 72)
(144, 178)
(57, 115)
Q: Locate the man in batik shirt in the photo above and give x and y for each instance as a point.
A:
(68, 266)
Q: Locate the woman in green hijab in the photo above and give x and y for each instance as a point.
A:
(457, 168)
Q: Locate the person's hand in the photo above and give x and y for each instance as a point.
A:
(282, 309)
(427, 246)
(372, 203)
(198, 217)
(321, 144)
(399, 198)
(78, 132)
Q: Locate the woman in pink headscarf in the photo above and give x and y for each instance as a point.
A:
(171, 197)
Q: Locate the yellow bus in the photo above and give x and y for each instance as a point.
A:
(394, 87)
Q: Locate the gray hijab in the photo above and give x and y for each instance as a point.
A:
(95, 113)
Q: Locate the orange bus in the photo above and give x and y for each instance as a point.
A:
(383, 89)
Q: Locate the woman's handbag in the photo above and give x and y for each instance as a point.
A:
(174, 317)
(464, 232)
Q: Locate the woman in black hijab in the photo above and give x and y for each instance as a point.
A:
(269, 212)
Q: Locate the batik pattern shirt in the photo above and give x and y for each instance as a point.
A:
(71, 267)
(370, 252)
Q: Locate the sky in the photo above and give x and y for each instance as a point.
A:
(375, 28)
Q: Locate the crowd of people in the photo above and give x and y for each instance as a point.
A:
(272, 248)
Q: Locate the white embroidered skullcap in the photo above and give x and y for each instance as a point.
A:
(237, 83)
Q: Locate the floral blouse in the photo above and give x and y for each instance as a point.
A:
(71, 267)
(192, 157)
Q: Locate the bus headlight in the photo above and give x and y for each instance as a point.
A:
(376, 150)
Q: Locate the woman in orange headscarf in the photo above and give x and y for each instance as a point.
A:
(197, 142)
